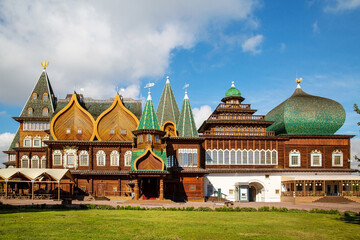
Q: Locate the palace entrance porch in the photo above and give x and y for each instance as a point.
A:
(149, 188)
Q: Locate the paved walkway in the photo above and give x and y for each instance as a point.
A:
(149, 203)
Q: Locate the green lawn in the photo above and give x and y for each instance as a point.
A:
(130, 224)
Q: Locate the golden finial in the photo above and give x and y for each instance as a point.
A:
(44, 64)
(298, 80)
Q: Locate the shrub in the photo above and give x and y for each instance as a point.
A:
(350, 214)
(297, 211)
(189, 208)
(248, 209)
(204, 209)
(264, 209)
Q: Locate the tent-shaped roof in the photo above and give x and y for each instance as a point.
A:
(34, 173)
(186, 124)
(148, 119)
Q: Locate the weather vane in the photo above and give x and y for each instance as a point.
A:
(186, 86)
(149, 85)
(298, 80)
(44, 64)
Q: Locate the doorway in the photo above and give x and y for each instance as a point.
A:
(149, 188)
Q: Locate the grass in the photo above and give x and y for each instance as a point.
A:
(130, 224)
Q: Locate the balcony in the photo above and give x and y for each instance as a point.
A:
(227, 105)
(237, 117)
(239, 133)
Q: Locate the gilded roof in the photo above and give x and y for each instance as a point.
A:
(167, 109)
(306, 114)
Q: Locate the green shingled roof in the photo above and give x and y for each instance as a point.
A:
(233, 91)
(167, 109)
(14, 141)
(148, 119)
(186, 124)
(42, 86)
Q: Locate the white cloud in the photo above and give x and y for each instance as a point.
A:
(5, 141)
(100, 46)
(342, 5)
(315, 27)
(252, 44)
(201, 114)
(355, 150)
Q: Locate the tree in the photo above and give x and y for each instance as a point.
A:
(357, 110)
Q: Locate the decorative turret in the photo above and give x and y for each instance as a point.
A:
(186, 124)
(233, 95)
(305, 114)
(167, 110)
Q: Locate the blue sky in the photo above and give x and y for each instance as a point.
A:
(261, 45)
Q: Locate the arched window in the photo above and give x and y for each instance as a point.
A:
(337, 158)
(208, 157)
(114, 158)
(239, 156)
(140, 139)
(294, 158)
(84, 158)
(128, 155)
(316, 158)
(226, 157)
(101, 158)
(45, 111)
(245, 157)
(34, 96)
(27, 141)
(251, 157)
(157, 138)
(37, 141)
(57, 158)
(268, 156)
(43, 162)
(35, 162)
(232, 157)
(30, 110)
(45, 96)
(148, 138)
(220, 157)
(215, 156)
(25, 161)
(274, 157)
(263, 157)
(257, 157)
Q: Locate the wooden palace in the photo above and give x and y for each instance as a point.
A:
(114, 149)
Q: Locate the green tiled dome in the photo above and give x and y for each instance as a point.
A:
(305, 114)
(233, 91)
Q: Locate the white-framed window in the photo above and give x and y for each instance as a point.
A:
(46, 138)
(12, 157)
(45, 111)
(30, 111)
(294, 158)
(316, 158)
(43, 162)
(127, 157)
(70, 158)
(35, 162)
(187, 157)
(37, 141)
(241, 157)
(101, 158)
(84, 158)
(27, 141)
(45, 96)
(114, 158)
(140, 139)
(170, 161)
(337, 158)
(57, 158)
(25, 161)
(148, 138)
(34, 96)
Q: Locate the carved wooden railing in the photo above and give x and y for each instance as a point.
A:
(239, 133)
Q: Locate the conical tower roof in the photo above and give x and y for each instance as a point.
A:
(167, 109)
(41, 97)
(186, 124)
(148, 119)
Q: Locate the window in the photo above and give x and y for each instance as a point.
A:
(101, 158)
(12, 157)
(315, 158)
(25, 161)
(114, 158)
(337, 158)
(45, 111)
(34, 96)
(170, 161)
(123, 131)
(112, 131)
(45, 96)
(226, 157)
(157, 139)
(187, 157)
(294, 158)
(148, 138)
(30, 111)
(36, 126)
(232, 157)
(128, 155)
(84, 158)
(35, 162)
(43, 162)
(220, 156)
(57, 157)
(68, 131)
(70, 158)
(140, 139)
(46, 138)
(37, 141)
(27, 141)
(208, 157)
(79, 131)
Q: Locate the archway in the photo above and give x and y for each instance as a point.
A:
(256, 192)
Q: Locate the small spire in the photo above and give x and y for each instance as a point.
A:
(149, 85)
(298, 81)
(149, 96)
(185, 87)
(232, 84)
(44, 64)
(167, 79)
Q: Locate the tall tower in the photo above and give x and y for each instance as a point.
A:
(186, 125)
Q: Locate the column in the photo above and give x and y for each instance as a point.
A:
(341, 188)
(6, 188)
(91, 186)
(136, 189)
(323, 187)
(32, 189)
(91, 159)
(161, 195)
(119, 186)
(304, 188)
(58, 190)
(313, 187)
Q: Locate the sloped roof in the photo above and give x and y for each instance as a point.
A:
(148, 119)
(14, 141)
(186, 124)
(168, 109)
(33, 173)
(42, 86)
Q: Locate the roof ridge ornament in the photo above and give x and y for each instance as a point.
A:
(232, 84)
(44, 64)
(167, 79)
(186, 87)
(149, 85)
(298, 81)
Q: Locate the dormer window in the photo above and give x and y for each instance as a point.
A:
(30, 111)
(148, 138)
(34, 96)
(112, 131)
(79, 131)
(68, 131)
(123, 132)
(45, 111)
(45, 96)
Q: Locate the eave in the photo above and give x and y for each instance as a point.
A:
(278, 170)
(89, 143)
(41, 119)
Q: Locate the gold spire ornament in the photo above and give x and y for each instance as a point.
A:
(298, 80)
(44, 64)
